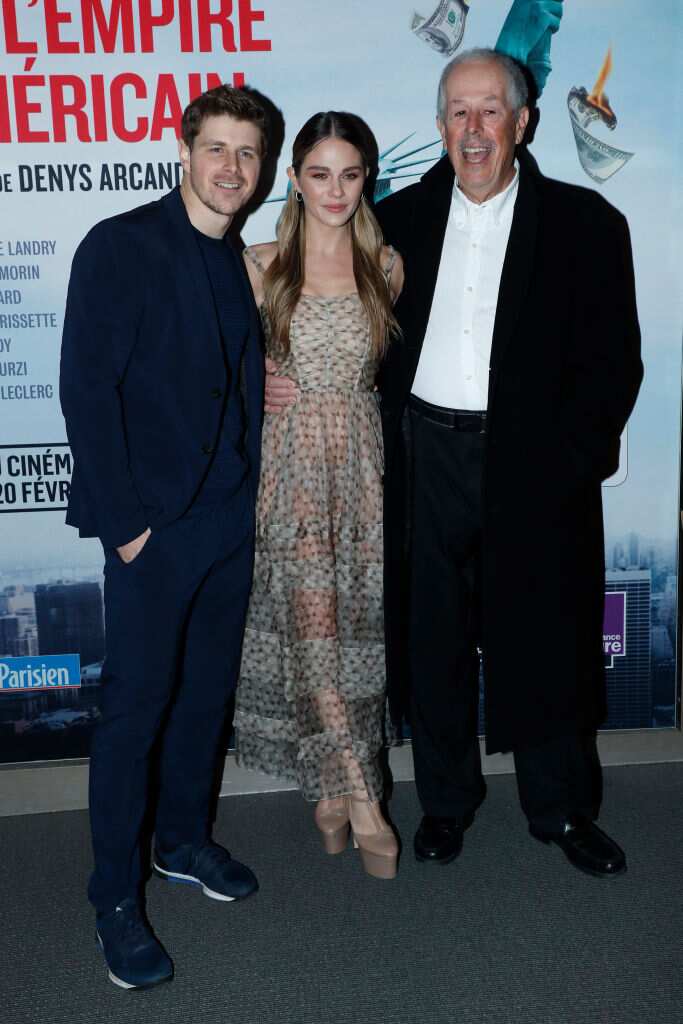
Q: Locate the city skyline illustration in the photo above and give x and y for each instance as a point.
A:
(56, 616)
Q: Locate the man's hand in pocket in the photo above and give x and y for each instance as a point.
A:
(130, 551)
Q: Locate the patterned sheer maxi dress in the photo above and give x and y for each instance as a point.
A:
(311, 698)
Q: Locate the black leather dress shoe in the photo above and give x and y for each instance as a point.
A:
(439, 840)
(587, 847)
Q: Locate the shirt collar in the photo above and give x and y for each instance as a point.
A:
(499, 206)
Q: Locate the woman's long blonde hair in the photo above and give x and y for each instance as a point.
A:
(284, 277)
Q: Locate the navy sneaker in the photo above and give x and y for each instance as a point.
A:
(135, 957)
(208, 866)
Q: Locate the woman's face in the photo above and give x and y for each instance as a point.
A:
(331, 180)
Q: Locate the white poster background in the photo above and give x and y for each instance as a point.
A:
(364, 58)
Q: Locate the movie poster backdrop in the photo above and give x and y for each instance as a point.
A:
(91, 93)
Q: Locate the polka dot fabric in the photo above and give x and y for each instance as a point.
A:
(311, 697)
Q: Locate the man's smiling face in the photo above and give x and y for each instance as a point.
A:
(221, 171)
(481, 129)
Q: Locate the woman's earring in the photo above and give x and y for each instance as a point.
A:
(299, 196)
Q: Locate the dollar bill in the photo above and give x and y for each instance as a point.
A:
(598, 159)
(583, 111)
(444, 28)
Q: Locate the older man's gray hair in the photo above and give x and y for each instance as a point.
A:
(517, 91)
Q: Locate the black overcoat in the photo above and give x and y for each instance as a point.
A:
(564, 375)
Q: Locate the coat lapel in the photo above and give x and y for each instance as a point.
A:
(254, 319)
(431, 219)
(185, 244)
(251, 372)
(516, 275)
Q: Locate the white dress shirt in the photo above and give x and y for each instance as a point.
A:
(453, 370)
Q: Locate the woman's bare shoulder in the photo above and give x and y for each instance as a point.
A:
(392, 265)
(261, 255)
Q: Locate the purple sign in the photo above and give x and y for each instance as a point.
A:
(614, 627)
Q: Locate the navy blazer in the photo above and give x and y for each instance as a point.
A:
(143, 374)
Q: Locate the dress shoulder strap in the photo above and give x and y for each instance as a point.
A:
(389, 266)
(251, 255)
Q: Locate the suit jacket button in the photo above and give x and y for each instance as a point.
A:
(207, 449)
(216, 392)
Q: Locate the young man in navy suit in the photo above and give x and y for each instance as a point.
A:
(162, 392)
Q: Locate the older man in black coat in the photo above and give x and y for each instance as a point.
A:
(503, 404)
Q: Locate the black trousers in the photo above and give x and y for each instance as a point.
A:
(557, 778)
(174, 622)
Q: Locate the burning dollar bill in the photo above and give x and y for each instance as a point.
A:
(443, 30)
(598, 159)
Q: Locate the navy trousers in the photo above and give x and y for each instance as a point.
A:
(174, 621)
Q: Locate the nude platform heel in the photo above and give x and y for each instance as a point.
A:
(332, 819)
(377, 844)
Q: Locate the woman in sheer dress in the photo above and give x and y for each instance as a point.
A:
(311, 697)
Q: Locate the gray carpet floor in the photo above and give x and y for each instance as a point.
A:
(510, 932)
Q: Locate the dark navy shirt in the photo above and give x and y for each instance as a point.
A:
(229, 466)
